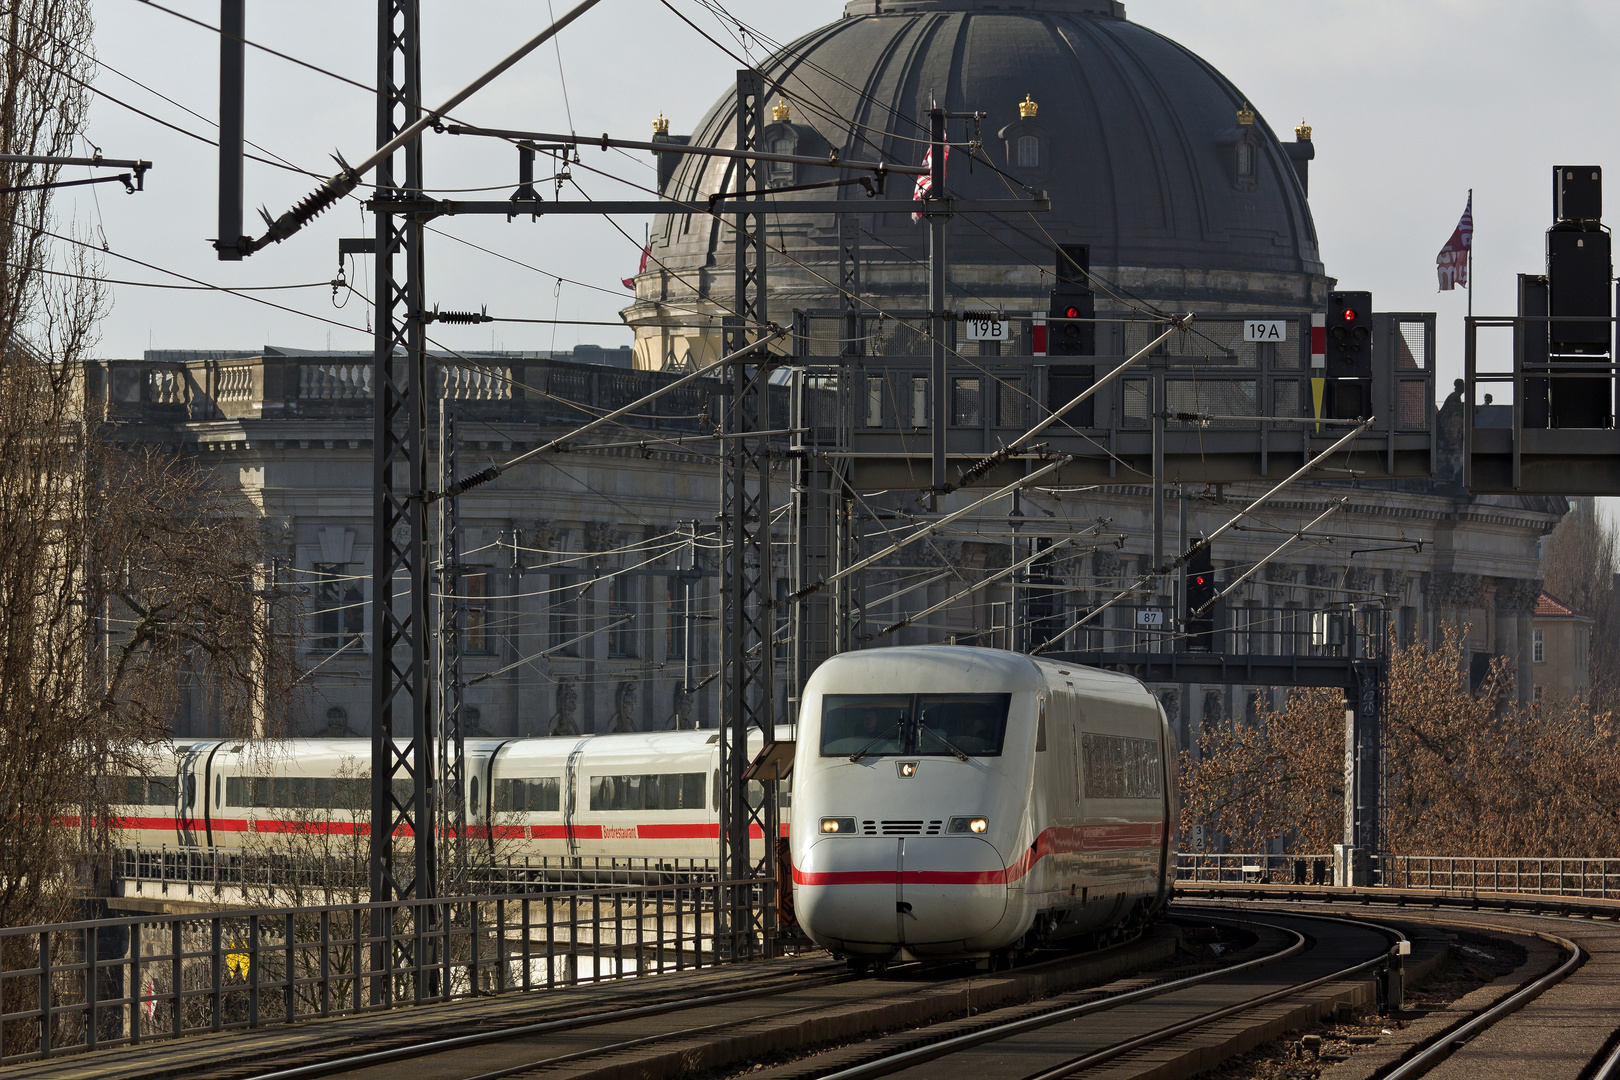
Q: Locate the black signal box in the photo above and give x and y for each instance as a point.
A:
(1578, 193)
(1349, 336)
(1580, 275)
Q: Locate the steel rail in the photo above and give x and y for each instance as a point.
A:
(1425, 1059)
(456, 1042)
(907, 1058)
(1449, 1042)
(1610, 1069)
(1169, 1031)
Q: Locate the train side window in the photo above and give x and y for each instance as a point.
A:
(472, 795)
(1040, 729)
(191, 789)
(235, 791)
(219, 792)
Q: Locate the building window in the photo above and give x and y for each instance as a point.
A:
(340, 606)
(1245, 160)
(781, 172)
(1537, 695)
(874, 401)
(1538, 646)
(475, 613)
(1009, 403)
(674, 619)
(919, 401)
(1029, 152)
(621, 616)
(965, 402)
(567, 597)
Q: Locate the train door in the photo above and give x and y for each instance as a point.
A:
(191, 768)
(570, 794)
(481, 800)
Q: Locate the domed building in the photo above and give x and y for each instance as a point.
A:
(1186, 197)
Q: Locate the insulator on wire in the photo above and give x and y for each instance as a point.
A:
(459, 318)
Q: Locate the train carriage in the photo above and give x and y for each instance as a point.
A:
(957, 801)
(648, 794)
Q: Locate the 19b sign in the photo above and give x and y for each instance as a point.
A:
(984, 328)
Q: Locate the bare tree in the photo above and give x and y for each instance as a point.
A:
(1467, 772)
(127, 577)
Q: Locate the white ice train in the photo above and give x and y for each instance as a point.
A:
(651, 794)
(965, 802)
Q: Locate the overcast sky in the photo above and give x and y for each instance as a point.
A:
(1412, 101)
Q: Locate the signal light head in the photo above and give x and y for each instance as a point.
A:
(1071, 313)
(1349, 314)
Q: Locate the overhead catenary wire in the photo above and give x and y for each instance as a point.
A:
(1278, 550)
(925, 531)
(1201, 544)
(956, 597)
(345, 181)
(494, 471)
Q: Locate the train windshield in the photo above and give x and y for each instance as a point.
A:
(869, 725)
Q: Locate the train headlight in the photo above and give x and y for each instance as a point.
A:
(969, 825)
(838, 825)
(906, 769)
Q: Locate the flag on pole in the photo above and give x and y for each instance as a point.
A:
(925, 182)
(1452, 262)
(646, 252)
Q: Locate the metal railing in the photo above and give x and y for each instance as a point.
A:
(1252, 869)
(81, 986)
(1561, 877)
(268, 876)
(1466, 874)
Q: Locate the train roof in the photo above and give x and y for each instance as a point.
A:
(948, 665)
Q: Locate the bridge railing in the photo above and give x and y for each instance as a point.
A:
(74, 987)
(1252, 869)
(167, 868)
(1562, 877)
(1559, 877)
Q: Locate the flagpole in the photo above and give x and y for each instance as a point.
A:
(1470, 255)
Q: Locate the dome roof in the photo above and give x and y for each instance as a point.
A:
(1138, 141)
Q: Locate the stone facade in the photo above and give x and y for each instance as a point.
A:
(570, 565)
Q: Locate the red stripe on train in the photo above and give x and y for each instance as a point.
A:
(691, 831)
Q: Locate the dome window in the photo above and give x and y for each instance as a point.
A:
(1029, 152)
(782, 172)
(1245, 160)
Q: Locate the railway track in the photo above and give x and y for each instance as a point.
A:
(1558, 1016)
(807, 1018)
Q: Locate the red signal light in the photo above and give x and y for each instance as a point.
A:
(1199, 580)
(1071, 313)
(1348, 314)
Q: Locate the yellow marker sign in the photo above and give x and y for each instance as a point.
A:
(1317, 386)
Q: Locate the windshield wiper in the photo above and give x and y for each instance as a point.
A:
(857, 755)
(960, 756)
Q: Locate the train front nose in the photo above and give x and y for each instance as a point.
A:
(875, 895)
